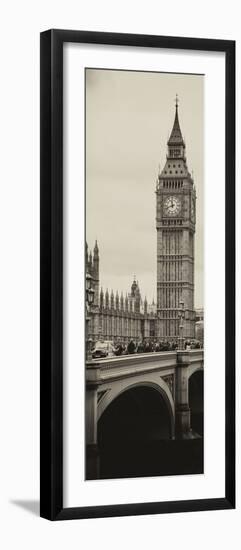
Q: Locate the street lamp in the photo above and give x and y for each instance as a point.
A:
(181, 314)
(89, 299)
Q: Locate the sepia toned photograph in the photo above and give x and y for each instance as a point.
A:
(137, 274)
(144, 274)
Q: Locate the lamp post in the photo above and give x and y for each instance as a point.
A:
(181, 315)
(89, 299)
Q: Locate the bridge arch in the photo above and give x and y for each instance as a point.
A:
(158, 385)
(196, 400)
(134, 431)
(194, 367)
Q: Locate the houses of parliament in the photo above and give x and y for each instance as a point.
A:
(115, 316)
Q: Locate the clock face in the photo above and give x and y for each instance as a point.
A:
(172, 206)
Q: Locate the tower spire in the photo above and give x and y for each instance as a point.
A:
(176, 134)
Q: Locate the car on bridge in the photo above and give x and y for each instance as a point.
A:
(102, 349)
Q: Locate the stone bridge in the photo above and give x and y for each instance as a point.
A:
(167, 373)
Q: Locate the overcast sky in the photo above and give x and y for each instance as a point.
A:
(129, 116)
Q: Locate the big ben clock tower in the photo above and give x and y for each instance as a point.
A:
(175, 223)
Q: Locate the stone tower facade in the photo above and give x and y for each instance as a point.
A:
(175, 224)
(113, 316)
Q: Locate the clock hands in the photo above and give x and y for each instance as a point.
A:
(172, 205)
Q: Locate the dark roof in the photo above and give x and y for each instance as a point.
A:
(176, 134)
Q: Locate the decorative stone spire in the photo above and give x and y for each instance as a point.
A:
(126, 303)
(90, 259)
(96, 251)
(136, 295)
(122, 302)
(145, 305)
(86, 254)
(96, 260)
(112, 300)
(134, 287)
(117, 300)
(101, 298)
(106, 298)
(176, 134)
(176, 165)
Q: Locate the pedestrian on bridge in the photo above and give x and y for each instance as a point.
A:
(131, 348)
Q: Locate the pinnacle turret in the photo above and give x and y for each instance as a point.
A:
(106, 298)
(176, 134)
(101, 298)
(96, 250)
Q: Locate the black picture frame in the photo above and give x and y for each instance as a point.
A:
(51, 323)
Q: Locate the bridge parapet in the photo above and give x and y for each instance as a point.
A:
(188, 357)
(99, 371)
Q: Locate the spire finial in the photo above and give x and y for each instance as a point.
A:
(176, 100)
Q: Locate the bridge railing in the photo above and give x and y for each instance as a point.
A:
(144, 357)
(127, 364)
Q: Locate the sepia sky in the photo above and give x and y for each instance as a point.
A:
(129, 116)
